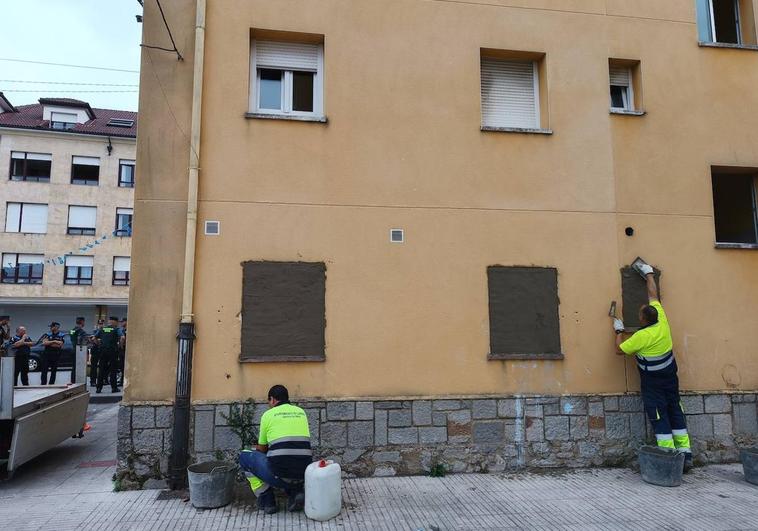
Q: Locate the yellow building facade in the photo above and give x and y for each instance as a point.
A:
(567, 136)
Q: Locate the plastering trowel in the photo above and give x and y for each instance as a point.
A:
(639, 262)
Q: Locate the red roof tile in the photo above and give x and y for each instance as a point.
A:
(30, 117)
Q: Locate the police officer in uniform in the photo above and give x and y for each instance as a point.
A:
(94, 353)
(21, 345)
(5, 333)
(652, 345)
(78, 337)
(108, 339)
(282, 454)
(53, 343)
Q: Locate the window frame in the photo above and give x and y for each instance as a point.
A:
(21, 217)
(124, 281)
(78, 279)
(124, 233)
(60, 125)
(627, 94)
(737, 21)
(87, 181)
(725, 172)
(25, 177)
(31, 278)
(287, 87)
(80, 231)
(122, 163)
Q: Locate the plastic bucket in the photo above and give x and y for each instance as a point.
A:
(661, 466)
(211, 484)
(749, 458)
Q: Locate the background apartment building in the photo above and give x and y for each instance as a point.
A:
(66, 204)
(415, 215)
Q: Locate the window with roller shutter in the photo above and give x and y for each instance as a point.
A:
(28, 218)
(510, 93)
(622, 92)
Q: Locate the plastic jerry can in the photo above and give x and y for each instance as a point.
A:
(323, 490)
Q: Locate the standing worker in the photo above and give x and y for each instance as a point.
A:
(108, 339)
(53, 343)
(282, 454)
(653, 347)
(21, 344)
(78, 338)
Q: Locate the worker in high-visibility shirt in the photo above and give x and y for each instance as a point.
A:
(653, 348)
(282, 454)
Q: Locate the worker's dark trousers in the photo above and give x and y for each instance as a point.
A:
(660, 396)
(94, 358)
(49, 363)
(21, 369)
(106, 370)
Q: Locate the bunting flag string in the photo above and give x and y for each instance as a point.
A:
(61, 259)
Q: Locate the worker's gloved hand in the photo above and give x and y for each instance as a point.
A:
(618, 325)
(646, 269)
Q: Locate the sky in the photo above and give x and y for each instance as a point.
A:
(101, 33)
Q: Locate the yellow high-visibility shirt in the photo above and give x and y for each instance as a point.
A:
(654, 340)
(284, 420)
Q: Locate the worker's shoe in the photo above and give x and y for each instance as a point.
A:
(296, 502)
(99, 390)
(267, 502)
(687, 462)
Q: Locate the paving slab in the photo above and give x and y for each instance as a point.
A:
(70, 487)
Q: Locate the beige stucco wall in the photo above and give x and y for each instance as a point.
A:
(403, 148)
(58, 194)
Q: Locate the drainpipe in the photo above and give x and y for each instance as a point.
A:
(186, 334)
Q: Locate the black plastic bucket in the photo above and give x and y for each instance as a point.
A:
(749, 458)
(211, 484)
(661, 466)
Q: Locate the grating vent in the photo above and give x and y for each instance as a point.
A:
(212, 228)
(397, 236)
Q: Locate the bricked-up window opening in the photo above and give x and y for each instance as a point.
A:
(735, 206)
(283, 311)
(33, 167)
(523, 308)
(634, 295)
(85, 170)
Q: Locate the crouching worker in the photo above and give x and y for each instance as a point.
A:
(282, 455)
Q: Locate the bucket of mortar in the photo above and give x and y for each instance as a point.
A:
(749, 458)
(211, 484)
(661, 466)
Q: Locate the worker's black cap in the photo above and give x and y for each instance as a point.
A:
(54, 323)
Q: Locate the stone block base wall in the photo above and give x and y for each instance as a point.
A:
(407, 437)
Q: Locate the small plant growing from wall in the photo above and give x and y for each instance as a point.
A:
(437, 470)
(241, 420)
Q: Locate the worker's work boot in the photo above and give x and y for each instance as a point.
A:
(296, 502)
(267, 502)
(687, 462)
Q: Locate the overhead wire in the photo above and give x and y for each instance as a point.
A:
(42, 91)
(67, 83)
(69, 65)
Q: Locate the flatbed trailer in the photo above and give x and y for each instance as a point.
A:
(34, 419)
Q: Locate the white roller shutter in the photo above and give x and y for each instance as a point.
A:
(82, 217)
(31, 258)
(620, 76)
(9, 260)
(13, 217)
(87, 161)
(18, 155)
(122, 263)
(128, 162)
(34, 218)
(39, 156)
(509, 94)
(63, 117)
(127, 211)
(80, 261)
(286, 55)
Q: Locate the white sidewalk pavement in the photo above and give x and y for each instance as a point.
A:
(70, 487)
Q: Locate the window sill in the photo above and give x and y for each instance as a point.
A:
(753, 246)
(525, 357)
(523, 130)
(278, 359)
(752, 47)
(625, 112)
(286, 117)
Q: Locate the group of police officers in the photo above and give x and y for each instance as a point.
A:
(106, 345)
